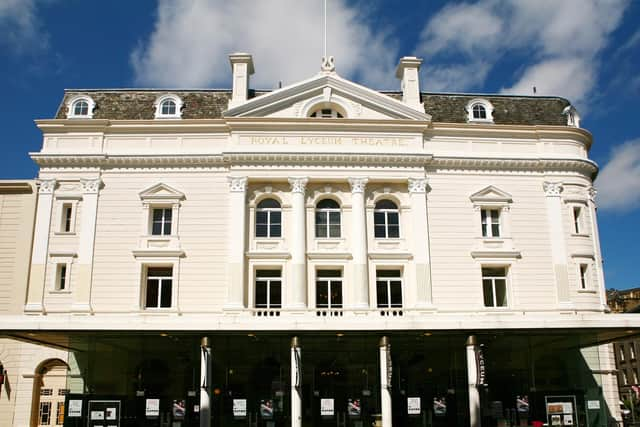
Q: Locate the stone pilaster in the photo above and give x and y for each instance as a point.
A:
(359, 243)
(421, 251)
(298, 243)
(236, 295)
(558, 242)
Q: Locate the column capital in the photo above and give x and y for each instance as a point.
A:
(552, 189)
(358, 184)
(46, 186)
(237, 184)
(592, 192)
(298, 184)
(417, 185)
(90, 186)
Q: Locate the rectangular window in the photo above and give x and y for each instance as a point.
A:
(389, 288)
(494, 286)
(584, 279)
(46, 392)
(61, 277)
(329, 289)
(625, 378)
(161, 222)
(268, 289)
(67, 218)
(577, 214)
(45, 413)
(159, 284)
(327, 224)
(632, 351)
(490, 222)
(60, 414)
(621, 353)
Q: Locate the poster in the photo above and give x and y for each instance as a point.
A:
(555, 408)
(97, 415)
(567, 407)
(239, 407)
(439, 406)
(568, 420)
(111, 414)
(178, 409)
(326, 407)
(413, 406)
(266, 408)
(522, 404)
(75, 408)
(152, 408)
(353, 408)
(556, 420)
(593, 404)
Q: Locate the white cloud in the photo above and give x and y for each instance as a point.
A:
(20, 26)
(454, 78)
(191, 41)
(561, 41)
(618, 183)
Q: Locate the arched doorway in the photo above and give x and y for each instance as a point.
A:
(49, 391)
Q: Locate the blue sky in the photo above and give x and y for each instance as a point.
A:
(585, 50)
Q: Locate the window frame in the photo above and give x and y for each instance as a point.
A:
(388, 284)
(173, 286)
(57, 260)
(488, 221)
(62, 202)
(479, 102)
(158, 105)
(505, 278)
(385, 212)
(331, 282)
(326, 225)
(163, 220)
(71, 107)
(269, 224)
(268, 279)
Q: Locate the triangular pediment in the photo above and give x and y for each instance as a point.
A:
(161, 192)
(491, 194)
(326, 88)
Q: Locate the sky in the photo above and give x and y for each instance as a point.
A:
(585, 50)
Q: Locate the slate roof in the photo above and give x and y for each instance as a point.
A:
(137, 104)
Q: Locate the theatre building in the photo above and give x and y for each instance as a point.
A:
(323, 254)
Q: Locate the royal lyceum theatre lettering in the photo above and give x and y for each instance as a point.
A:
(328, 140)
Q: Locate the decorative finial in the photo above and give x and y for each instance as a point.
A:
(328, 64)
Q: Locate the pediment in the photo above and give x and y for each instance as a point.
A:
(326, 88)
(491, 194)
(161, 192)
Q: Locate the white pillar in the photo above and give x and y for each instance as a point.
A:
(296, 383)
(595, 238)
(359, 243)
(242, 68)
(385, 381)
(37, 273)
(421, 252)
(298, 243)
(84, 269)
(236, 298)
(205, 382)
(472, 374)
(558, 244)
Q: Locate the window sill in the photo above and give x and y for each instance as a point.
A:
(64, 233)
(580, 235)
(268, 239)
(587, 291)
(158, 311)
(59, 292)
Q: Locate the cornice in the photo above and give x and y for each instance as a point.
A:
(542, 165)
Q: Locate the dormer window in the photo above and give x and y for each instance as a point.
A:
(80, 107)
(168, 107)
(479, 110)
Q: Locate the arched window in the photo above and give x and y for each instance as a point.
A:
(386, 220)
(81, 108)
(327, 113)
(268, 219)
(327, 219)
(168, 107)
(479, 112)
